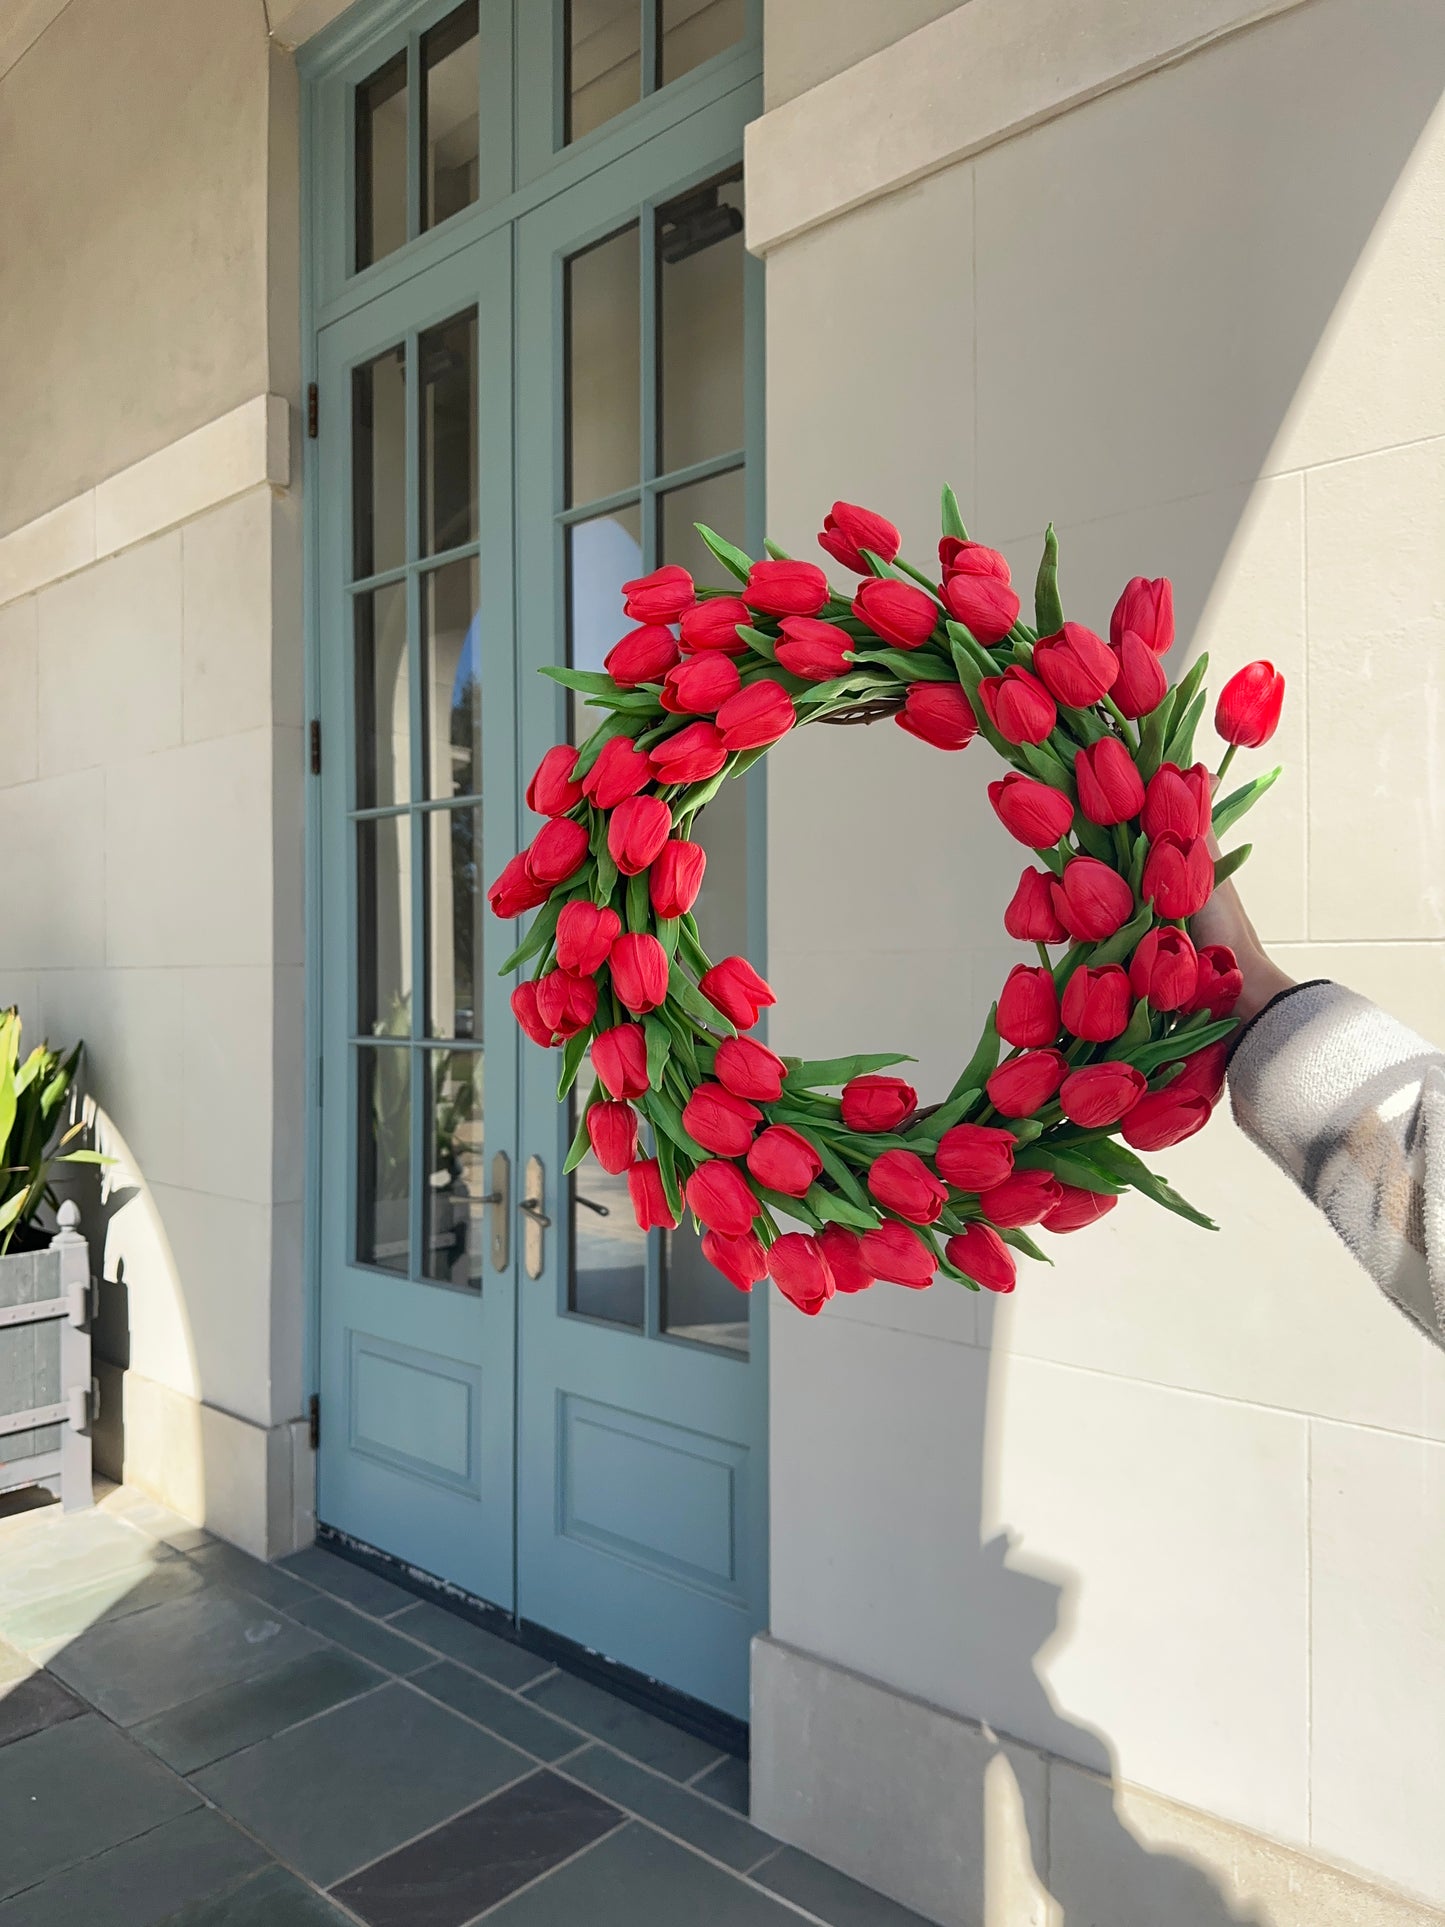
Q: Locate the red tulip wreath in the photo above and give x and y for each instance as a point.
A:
(1122, 1038)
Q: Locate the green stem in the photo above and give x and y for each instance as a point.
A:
(1123, 722)
(1225, 762)
(1044, 957)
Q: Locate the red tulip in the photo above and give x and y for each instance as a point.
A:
(1030, 916)
(612, 1133)
(844, 1251)
(1221, 981)
(636, 832)
(801, 1272)
(1111, 789)
(639, 972)
(552, 791)
(897, 611)
(619, 1057)
(713, 625)
(1147, 609)
(585, 935)
(786, 588)
(1247, 713)
(1141, 684)
(848, 530)
(985, 605)
(649, 1200)
(756, 716)
(1031, 811)
(1100, 1094)
(697, 686)
(817, 651)
(620, 771)
(524, 1009)
(1092, 900)
(720, 1122)
(1075, 666)
(1021, 1199)
(643, 655)
(1022, 1085)
(1178, 875)
(1018, 705)
(899, 1256)
(676, 878)
(1097, 1004)
(938, 713)
(556, 852)
(1179, 800)
(719, 1194)
(742, 1261)
(981, 1254)
(566, 1004)
(1164, 968)
(1077, 1209)
(1204, 1070)
(903, 1183)
(516, 889)
(783, 1160)
(1165, 1117)
(1028, 1006)
(749, 1069)
(659, 597)
(691, 756)
(735, 988)
(958, 556)
(872, 1103)
(976, 1157)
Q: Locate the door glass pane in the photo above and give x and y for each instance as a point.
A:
(692, 31)
(697, 1301)
(699, 241)
(609, 1253)
(383, 697)
(720, 502)
(451, 81)
(602, 554)
(383, 1136)
(381, 162)
(450, 625)
(604, 61)
(454, 923)
(455, 1221)
(378, 459)
(604, 361)
(447, 363)
(383, 900)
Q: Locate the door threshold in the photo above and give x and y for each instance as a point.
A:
(649, 1695)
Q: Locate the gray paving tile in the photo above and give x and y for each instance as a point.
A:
(156, 1521)
(636, 1878)
(512, 1718)
(367, 1638)
(347, 1581)
(228, 1566)
(37, 1623)
(143, 1880)
(27, 1705)
(459, 1639)
(721, 1835)
(78, 1788)
(630, 1730)
(728, 1783)
(50, 1551)
(217, 1724)
(274, 1898)
(831, 1895)
(454, 1873)
(13, 1663)
(357, 1781)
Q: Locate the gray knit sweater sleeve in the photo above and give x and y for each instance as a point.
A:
(1352, 1105)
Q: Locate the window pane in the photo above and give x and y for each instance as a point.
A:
(383, 906)
(603, 368)
(609, 1253)
(692, 31)
(454, 923)
(601, 555)
(381, 162)
(383, 1143)
(697, 1301)
(455, 1221)
(604, 61)
(451, 81)
(383, 699)
(447, 363)
(378, 455)
(699, 239)
(453, 680)
(720, 502)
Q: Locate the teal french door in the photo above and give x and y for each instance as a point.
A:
(521, 1394)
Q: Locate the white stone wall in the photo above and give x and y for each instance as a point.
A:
(1176, 1511)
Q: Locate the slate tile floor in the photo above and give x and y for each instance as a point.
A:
(192, 1738)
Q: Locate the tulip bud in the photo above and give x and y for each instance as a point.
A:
(756, 716)
(1248, 710)
(619, 1057)
(1099, 1094)
(848, 530)
(872, 1103)
(659, 597)
(1147, 609)
(1097, 1004)
(566, 1004)
(749, 1069)
(691, 756)
(985, 605)
(643, 655)
(1164, 968)
(1221, 981)
(783, 1160)
(1022, 1085)
(1111, 789)
(1021, 1199)
(1031, 811)
(649, 1199)
(1028, 1006)
(735, 988)
(552, 791)
(903, 1183)
(620, 771)
(786, 588)
(639, 972)
(897, 1255)
(1076, 667)
(1031, 916)
(556, 852)
(899, 612)
(701, 684)
(742, 1261)
(516, 889)
(1077, 1209)
(1018, 705)
(976, 1157)
(719, 1195)
(1178, 800)
(676, 878)
(1204, 1070)
(801, 1272)
(713, 625)
(958, 556)
(1165, 1117)
(1141, 684)
(636, 832)
(612, 1133)
(524, 1009)
(844, 1251)
(1091, 899)
(720, 1122)
(816, 651)
(1178, 875)
(938, 713)
(585, 936)
(981, 1254)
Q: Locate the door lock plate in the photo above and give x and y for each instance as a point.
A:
(499, 1198)
(533, 1209)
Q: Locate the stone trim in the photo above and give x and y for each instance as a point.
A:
(222, 459)
(963, 83)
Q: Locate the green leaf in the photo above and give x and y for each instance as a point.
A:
(1159, 1192)
(1136, 1033)
(597, 742)
(1116, 948)
(828, 1071)
(639, 906)
(659, 1048)
(928, 1133)
(1069, 1168)
(581, 1143)
(681, 986)
(544, 927)
(1228, 813)
(789, 1207)
(981, 1066)
(1180, 747)
(1048, 609)
(1021, 1241)
(951, 516)
(667, 1165)
(665, 1116)
(573, 1051)
(832, 1209)
(589, 682)
(762, 645)
(910, 665)
(776, 551)
(731, 557)
(1227, 865)
(1182, 1043)
(1049, 768)
(963, 639)
(1094, 839)
(836, 1169)
(667, 930)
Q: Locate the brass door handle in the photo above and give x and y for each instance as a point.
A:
(533, 1209)
(591, 1204)
(499, 1198)
(538, 1223)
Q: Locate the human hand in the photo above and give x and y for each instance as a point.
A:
(1225, 920)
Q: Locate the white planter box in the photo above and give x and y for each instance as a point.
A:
(47, 1395)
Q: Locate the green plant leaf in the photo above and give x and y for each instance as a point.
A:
(787, 1207)
(828, 1071)
(586, 756)
(581, 1143)
(831, 1209)
(1021, 1241)
(762, 645)
(1048, 609)
(1180, 747)
(588, 682)
(544, 928)
(930, 1131)
(951, 516)
(659, 1048)
(1116, 948)
(681, 987)
(918, 665)
(1228, 813)
(1069, 1167)
(731, 557)
(639, 906)
(573, 1052)
(1229, 863)
(1182, 1043)
(984, 1062)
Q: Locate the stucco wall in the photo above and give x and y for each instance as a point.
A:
(1177, 1509)
(805, 42)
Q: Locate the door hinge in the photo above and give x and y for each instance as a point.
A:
(315, 745)
(313, 1420)
(313, 412)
